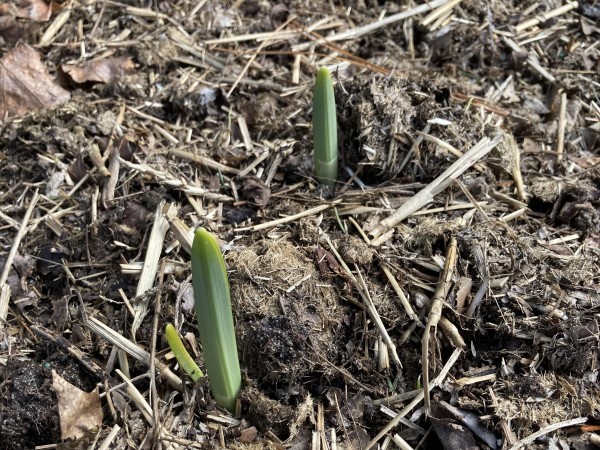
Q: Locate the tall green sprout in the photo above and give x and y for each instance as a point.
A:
(325, 129)
(215, 320)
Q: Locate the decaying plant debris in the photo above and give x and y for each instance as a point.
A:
(466, 128)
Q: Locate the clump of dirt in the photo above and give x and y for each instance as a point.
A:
(426, 234)
(280, 345)
(377, 125)
(568, 202)
(288, 318)
(271, 415)
(368, 117)
(354, 251)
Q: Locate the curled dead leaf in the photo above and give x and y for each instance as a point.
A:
(19, 17)
(100, 70)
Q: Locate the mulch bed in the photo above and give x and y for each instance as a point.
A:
(444, 294)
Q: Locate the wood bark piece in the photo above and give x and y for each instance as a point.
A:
(562, 125)
(150, 269)
(183, 233)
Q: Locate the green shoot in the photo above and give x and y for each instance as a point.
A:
(215, 319)
(184, 359)
(325, 129)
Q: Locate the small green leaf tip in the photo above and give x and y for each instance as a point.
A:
(215, 319)
(325, 129)
(184, 359)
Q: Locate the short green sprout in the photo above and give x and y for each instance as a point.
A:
(325, 129)
(184, 359)
(215, 319)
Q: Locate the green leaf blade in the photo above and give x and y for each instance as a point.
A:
(184, 359)
(325, 129)
(215, 319)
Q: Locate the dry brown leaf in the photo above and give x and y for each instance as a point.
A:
(34, 10)
(26, 83)
(28, 12)
(100, 70)
(255, 191)
(80, 412)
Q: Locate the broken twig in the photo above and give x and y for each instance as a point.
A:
(435, 313)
